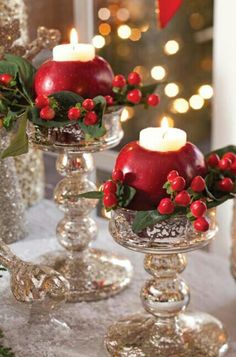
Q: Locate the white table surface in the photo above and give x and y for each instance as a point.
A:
(213, 290)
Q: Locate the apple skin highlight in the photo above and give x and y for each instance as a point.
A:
(147, 170)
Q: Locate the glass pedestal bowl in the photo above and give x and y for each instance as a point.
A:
(166, 329)
(92, 273)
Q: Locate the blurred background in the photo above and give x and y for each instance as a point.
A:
(127, 34)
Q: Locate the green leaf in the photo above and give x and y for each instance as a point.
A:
(92, 195)
(223, 150)
(149, 89)
(19, 142)
(67, 99)
(94, 131)
(144, 219)
(220, 201)
(125, 195)
(10, 68)
(56, 123)
(26, 72)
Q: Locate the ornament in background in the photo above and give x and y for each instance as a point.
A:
(12, 220)
(166, 9)
(233, 251)
(30, 173)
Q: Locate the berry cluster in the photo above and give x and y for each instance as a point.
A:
(130, 91)
(110, 190)
(6, 79)
(225, 168)
(191, 198)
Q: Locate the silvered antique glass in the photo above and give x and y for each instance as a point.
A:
(93, 273)
(166, 329)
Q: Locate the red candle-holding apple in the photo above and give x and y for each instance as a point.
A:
(146, 164)
(75, 68)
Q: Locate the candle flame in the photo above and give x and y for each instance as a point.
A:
(165, 123)
(74, 37)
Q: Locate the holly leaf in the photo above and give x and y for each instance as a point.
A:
(92, 195)
(125, 195)
(19, 142)
(10, 68)
(26, 72)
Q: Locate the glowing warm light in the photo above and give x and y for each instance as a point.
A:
(104, 29)
(167, 122)
(171, 47)
(158, 73)
(74, 38)
(143, 71)
(171, 90)
(206, 91)
(135, 34)
(145, 28)
(104, 14)
(124, 31)
(196, 102)
(128, 113)
(123, 14)
(180, 105)
(98, 41)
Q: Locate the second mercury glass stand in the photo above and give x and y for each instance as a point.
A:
(92, 273)
(166, 329)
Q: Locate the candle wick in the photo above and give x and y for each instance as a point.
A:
(164, 134)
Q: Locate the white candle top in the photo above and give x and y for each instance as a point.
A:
(162, 139)
(74, 51)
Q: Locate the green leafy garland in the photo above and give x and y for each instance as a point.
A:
(211, 195)
(17, 104)
(4, 351)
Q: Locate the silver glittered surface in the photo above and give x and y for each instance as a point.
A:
(12, 219)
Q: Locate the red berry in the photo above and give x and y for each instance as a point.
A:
(225, 164)
(198, 184)
(134, 79)
(230, 155)
(233, 168)
(47, 113)
(109, 100)
(198, 208)
(166, 206)
(213, 160)
(42, 101)
(5, 78)
(109, 187)
(183, 198)
(91, 118)
(153, 100)
(110, 200)
(117, 175)
(74, 113)
(134, 96)
(201, 224)
(172, 175)
(226, 184)
(88, 104)
(178, 184)
(119, 81)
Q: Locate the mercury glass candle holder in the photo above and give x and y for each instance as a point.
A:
(92, 273)
(166, 329)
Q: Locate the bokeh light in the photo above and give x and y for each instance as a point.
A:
(104, 29)
(98, 41)
(123, 14)
(196, 102)
(145, 28)
(171, 90)
(180, 105)
(104, 14)
(124, 31)
(206, 91)
(158, 73)
(171, 47)
(143, 71)
(127, 113)
(135, 34)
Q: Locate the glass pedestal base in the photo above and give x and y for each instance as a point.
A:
(93, 274)
(189, 335)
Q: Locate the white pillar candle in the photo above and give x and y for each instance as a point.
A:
(162, 139)
(74, 51)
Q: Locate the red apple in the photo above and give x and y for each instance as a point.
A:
(147, 170)
(88, 79)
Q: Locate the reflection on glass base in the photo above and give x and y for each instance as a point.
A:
(189, 335)
(93, 274)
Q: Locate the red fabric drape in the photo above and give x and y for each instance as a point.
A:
(166, 10)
